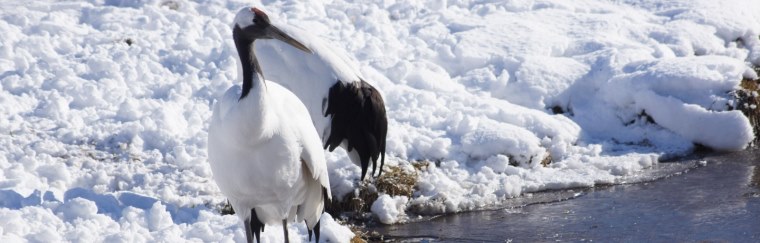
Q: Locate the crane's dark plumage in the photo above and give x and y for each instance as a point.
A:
(347, 111)
(358, 117)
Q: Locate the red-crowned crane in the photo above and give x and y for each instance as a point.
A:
(264, 152)
(346, 110)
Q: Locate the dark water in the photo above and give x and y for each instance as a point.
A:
(716, 202)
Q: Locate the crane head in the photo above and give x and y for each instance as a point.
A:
(252, 24)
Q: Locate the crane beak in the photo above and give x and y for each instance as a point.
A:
(278, 34)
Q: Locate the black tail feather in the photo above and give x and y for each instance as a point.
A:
(382, 161)
(358, 117)
(326, 198)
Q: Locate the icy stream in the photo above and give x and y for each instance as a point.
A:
(717, 201)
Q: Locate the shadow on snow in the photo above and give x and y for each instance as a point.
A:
(108, 204)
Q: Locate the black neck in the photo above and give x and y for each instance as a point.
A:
(247, 59)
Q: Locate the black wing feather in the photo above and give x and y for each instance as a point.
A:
(358, 117)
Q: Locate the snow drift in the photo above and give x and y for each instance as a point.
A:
(102, 99)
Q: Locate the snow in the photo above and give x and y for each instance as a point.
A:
(389, 209)
(105, 104)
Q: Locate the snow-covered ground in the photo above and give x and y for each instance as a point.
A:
(104, 104)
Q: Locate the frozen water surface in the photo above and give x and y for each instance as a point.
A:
(719, 200)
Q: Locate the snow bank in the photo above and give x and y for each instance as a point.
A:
(389, 209)
(109, 100)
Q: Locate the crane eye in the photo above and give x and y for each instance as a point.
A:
(255, 20)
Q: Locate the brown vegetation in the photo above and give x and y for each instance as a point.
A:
(747, 101)
(395, 181)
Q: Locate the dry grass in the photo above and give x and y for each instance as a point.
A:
(355, 209)
(357, 235)
(747, 101)
(171, 4)
(547, 160)
(361, 236)
(226, 209)
(395, 181)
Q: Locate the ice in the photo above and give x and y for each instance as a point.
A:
(105, 104)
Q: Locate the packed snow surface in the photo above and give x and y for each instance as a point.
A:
(105, 104)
